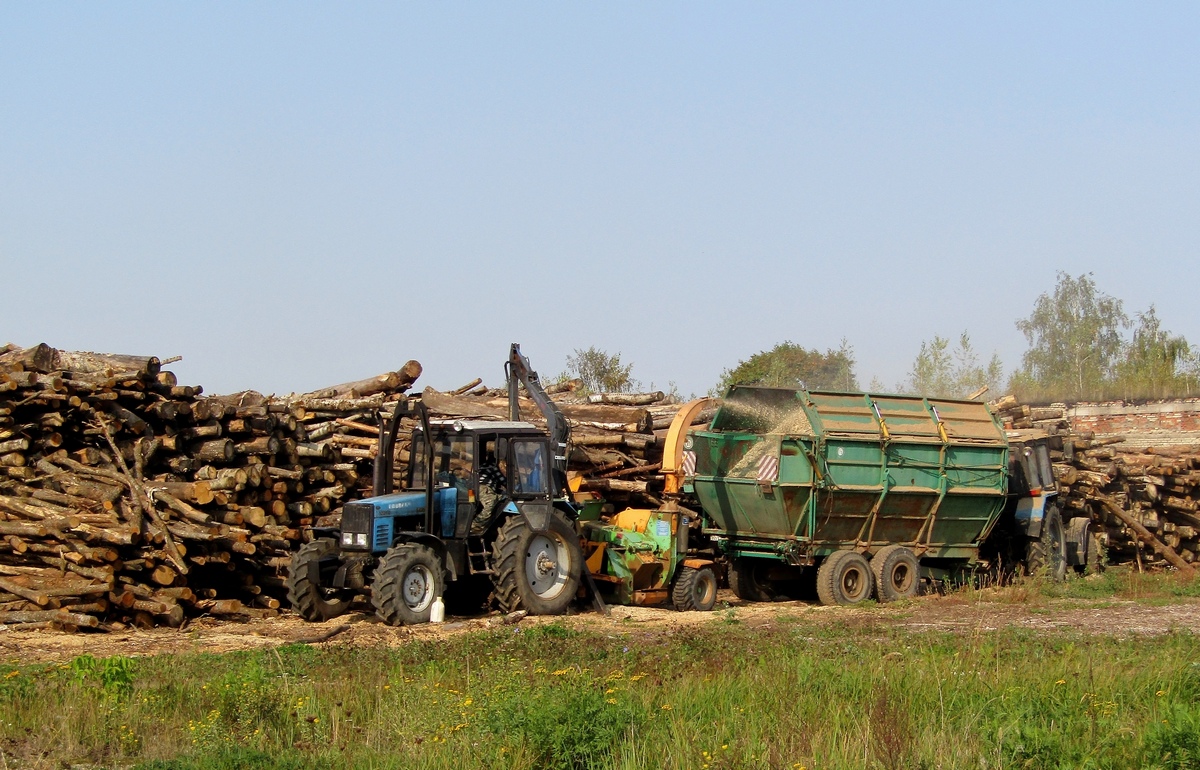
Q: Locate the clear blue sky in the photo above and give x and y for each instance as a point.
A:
(291, 195)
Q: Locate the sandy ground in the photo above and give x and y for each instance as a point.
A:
(954, 613)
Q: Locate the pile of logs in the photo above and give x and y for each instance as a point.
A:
(1144, 502)
(126, 498)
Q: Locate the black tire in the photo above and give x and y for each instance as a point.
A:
(409, 578)
(536, 570)
(694, 589)
(1047, 554)
(748, 582)
(897, 573)
(844, 578)
(313, 602)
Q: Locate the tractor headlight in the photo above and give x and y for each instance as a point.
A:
(360, 539)
(347, 538)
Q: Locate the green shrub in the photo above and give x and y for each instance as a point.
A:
(114, 675)
(1174, 742)
(571, 722)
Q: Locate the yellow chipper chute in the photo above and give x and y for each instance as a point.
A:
(641, 556)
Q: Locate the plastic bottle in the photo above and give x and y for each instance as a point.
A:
(437, 613)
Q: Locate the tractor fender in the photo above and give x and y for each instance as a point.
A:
(698, 563)
(536, 512)
(433, 542)
(1076, 533)
(1029, 515)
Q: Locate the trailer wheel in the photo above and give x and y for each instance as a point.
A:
(408, 579)
(897, 573)
(694, 589)
(314, 602)
(536, 570)
(1048, 553)
(844, 578)
(747, 581)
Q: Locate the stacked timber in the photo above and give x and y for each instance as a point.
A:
(1144, 502)
(126, 498)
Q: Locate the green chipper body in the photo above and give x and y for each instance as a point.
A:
(795, 475)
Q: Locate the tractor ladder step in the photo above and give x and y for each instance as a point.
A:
(477, 560)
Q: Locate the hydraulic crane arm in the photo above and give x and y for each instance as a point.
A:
(518, 371)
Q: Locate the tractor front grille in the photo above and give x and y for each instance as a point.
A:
(382, 539)
(357, 517)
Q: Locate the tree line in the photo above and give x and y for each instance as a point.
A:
(1081, 346)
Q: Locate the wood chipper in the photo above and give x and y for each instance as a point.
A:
(642, 556)
(876, 492)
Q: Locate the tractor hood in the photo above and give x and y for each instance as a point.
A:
(379, 519)
(398, 504)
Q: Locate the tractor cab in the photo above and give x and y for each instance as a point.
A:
(487, 464)
(478, 467)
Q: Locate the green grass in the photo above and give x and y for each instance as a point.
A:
(1124, 583)
(721, 695)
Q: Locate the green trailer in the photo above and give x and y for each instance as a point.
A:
(875, 491)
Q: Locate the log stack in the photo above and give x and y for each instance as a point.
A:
(1145, 502)
(126, 498)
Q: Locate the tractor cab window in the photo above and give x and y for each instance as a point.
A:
(417, 461)
(530, 468)
(1035, 466)
(453, 460)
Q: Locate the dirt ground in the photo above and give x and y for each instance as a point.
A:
(977, 614)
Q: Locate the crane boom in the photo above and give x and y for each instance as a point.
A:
(518, 371)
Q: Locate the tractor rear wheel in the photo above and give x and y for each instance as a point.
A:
(314, 602)
(408, 579)
(694, 589)
(844, 578)
(748, 581)
(897, 573)
(1047, 554)
(536, 570)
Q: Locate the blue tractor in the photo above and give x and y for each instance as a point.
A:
(485, 511)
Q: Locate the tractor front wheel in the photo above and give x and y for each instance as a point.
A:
(694, 589)
(536, 570)
(314, 602)
(408, 579)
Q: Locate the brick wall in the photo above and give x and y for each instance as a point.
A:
(1164, 422)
